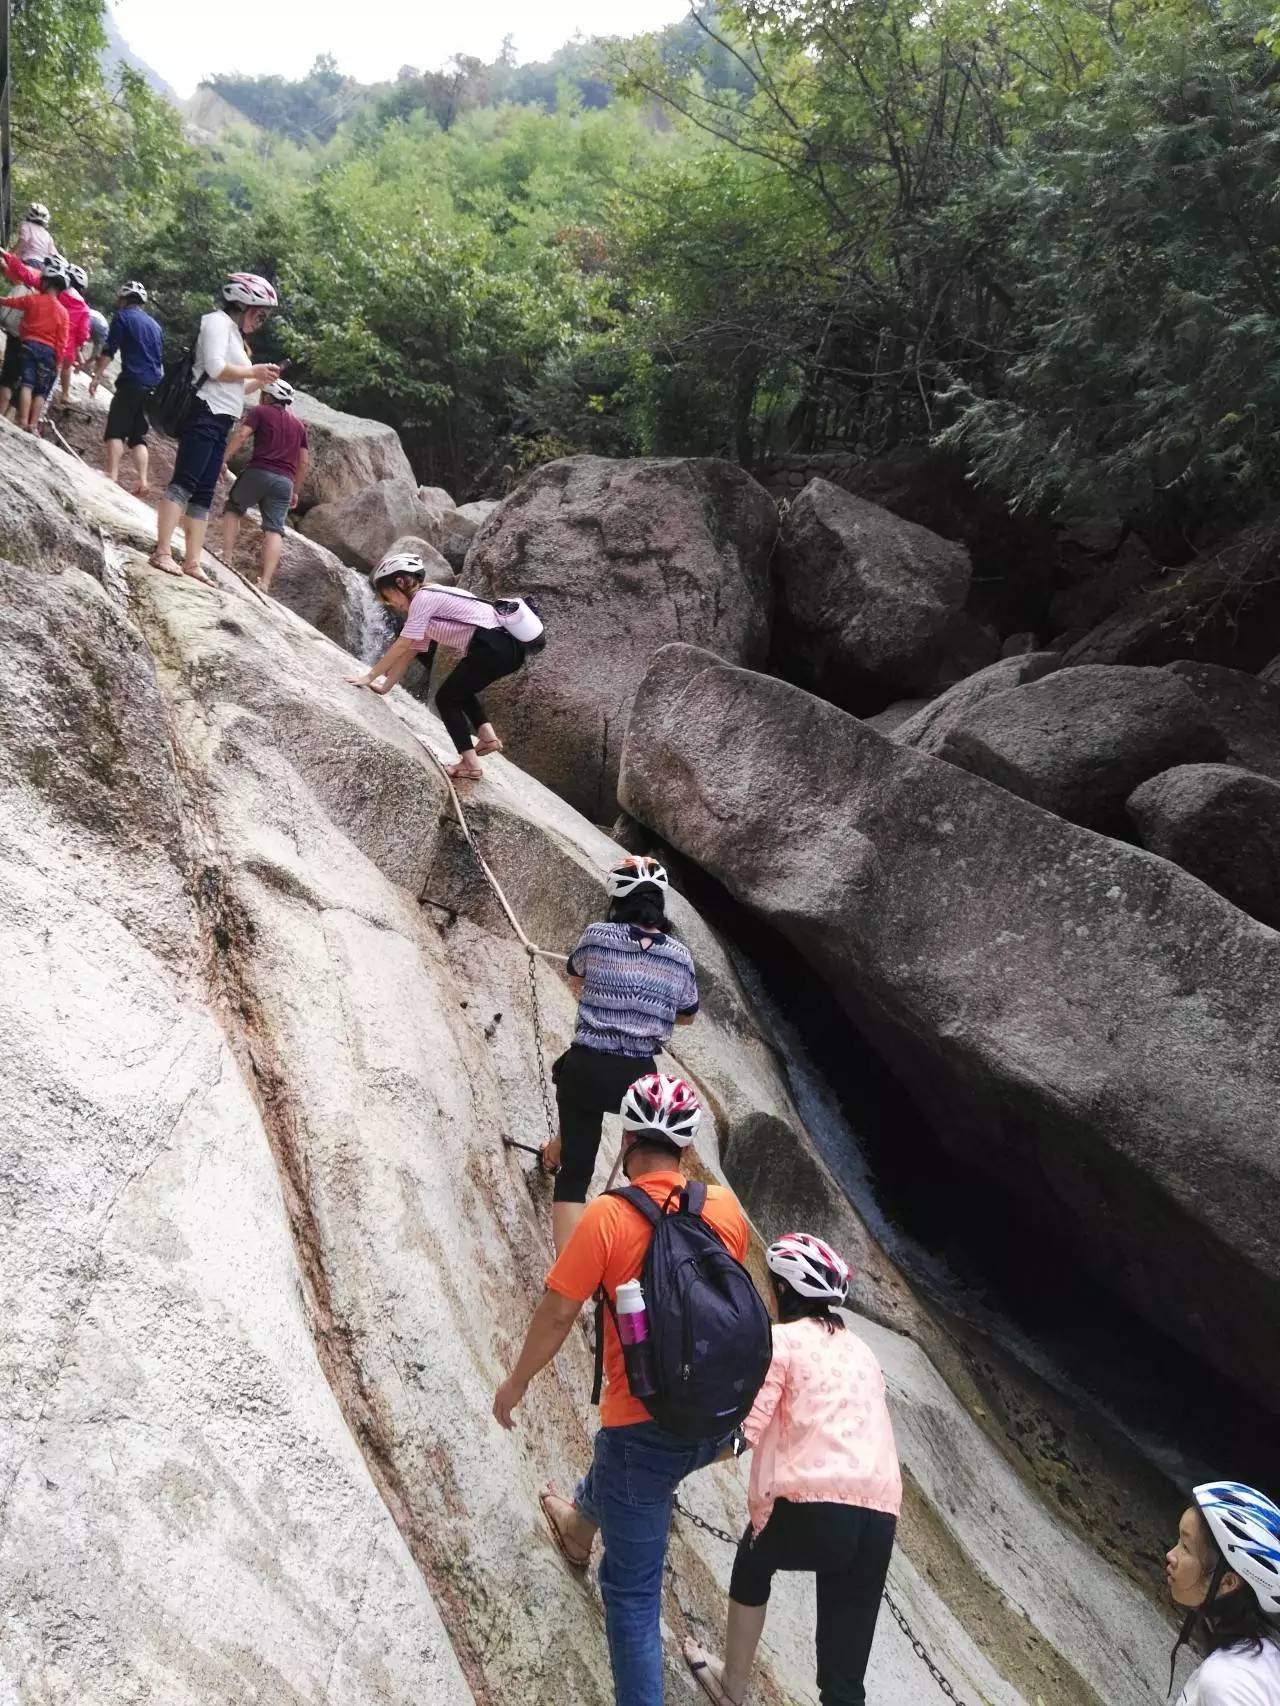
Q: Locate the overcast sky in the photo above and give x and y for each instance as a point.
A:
(370, 40)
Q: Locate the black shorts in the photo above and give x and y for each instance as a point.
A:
(589, 1085)
(11, 367)
(127, 417)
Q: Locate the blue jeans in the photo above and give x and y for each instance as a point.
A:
(39, 368)
(628, 1492)
(199, 460)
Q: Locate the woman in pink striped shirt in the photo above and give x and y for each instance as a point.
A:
(825, 1487)
(440, 615)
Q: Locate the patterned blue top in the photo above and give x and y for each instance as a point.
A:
(632, 993)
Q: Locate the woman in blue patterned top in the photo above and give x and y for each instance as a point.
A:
(634, 984)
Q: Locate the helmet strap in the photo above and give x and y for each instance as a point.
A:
(1196, 1614)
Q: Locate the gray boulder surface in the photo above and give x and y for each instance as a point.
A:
(867, 604)
(264, 1259)
(1079, 741)
(621, 557)
(360, 528)
(348, 453)
(321, 589)
(929, 727)
(1244, 709)
(1220, 823)
(1071, 1013)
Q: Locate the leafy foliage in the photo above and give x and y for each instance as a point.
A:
(106, 155)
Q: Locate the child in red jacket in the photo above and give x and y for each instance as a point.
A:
(77, 308)
(46, 327)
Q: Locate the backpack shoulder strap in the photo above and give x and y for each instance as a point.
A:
(694, 1197)
(640, 1201)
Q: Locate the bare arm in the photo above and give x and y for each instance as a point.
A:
(304, 462)
(685, 1018)
(392, 664)
(240, 436)
(576, 984)
(548, 1330)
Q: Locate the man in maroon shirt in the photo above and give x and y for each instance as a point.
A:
(274, 476)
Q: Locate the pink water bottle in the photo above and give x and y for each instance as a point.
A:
(633, 1330)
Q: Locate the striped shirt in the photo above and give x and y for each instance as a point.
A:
(632, 993)
(437, 613)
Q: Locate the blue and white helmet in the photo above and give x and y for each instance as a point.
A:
(1246, 1526)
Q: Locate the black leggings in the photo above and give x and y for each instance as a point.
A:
(492, 654)
(848, 1549)
(589, 1085)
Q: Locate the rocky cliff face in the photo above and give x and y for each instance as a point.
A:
(264, 1257)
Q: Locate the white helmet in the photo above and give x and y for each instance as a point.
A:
(402, 563)
(38, 213)
(809, 1266)
(1246, 1526)
(131, 287)
(78, 276)
(632, 874)
(54, 270)
(280, 389)
(663, 1107)
(248, 290)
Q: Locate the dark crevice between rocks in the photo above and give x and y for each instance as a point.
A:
(1081, 1388)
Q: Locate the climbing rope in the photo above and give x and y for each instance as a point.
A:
(899, 1616)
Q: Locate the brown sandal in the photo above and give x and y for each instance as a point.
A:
(572, 1559)
(486, 747)
(706, 1679)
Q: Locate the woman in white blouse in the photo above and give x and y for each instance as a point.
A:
(223, 372)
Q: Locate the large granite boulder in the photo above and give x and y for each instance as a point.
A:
(929, 727)
(362, 527)
(1220, 823)
(868, 604)
(333, 598)
(1079, 741)
(1244, 709)
(621, 557)
(348, 453)
(1071, 1013)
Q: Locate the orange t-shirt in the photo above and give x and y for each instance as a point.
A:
(44, 319)
(608, 1248)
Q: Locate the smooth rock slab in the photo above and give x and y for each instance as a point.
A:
(929, 727)
(1244, 709)
(621, 557)
(868, 604)
(1221, 824)
(1080, 741)
(1085, 1020)
(360, 528)
(348, 452)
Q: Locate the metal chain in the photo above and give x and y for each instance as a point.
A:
(899, 1616)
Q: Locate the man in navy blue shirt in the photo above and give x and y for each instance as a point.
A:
(138, 340)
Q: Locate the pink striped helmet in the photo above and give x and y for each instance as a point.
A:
(810, 1266)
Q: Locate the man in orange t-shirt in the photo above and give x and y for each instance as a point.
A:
(628, 1492)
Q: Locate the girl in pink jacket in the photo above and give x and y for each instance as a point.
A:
(825, 1487)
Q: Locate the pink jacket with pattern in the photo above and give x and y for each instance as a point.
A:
(819, 1428)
